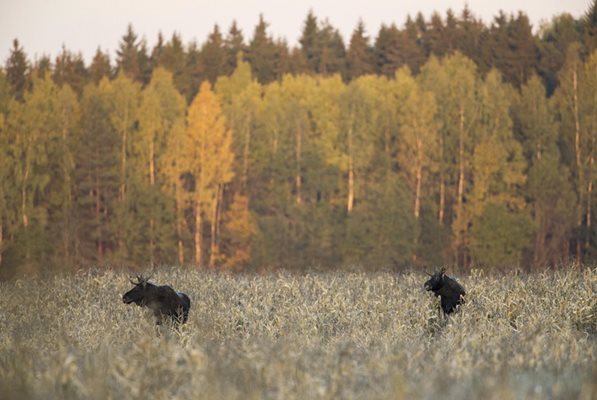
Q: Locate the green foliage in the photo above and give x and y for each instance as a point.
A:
(381, 232)
(212, 59)
(552, 202)
(261, 53)
(128, 59)
(17, 71)
(311, 155)
(100, 67)
(499, 237)
(70, 69)
(97, 177)
(359, 60)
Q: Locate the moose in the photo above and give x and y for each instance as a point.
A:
(162, 300)
(450, 291)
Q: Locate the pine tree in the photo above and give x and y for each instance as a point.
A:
(213, 56)
(127, 60)
(261, 54)
(387, 54)
(589, 28)
(155, 59)
(17, 71)
(410, 45)
(551, 198)
(194, 71)
(433, 36)
(554, 40)
(42, 67)
(70, 69)
(234, 44)
(97, 177)
(359, 56)
(309, 41)
(469, 36)
(332, 58)
(100, 66)
(173, 58)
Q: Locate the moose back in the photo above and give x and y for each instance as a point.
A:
(162, 300)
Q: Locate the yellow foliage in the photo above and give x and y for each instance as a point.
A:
(206, 152)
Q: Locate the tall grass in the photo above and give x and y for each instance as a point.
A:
(284, 336)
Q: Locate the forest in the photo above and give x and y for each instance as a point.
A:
(445, 140)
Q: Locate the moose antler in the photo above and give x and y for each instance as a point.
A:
(140, 279)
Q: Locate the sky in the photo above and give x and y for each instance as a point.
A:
(44, 26)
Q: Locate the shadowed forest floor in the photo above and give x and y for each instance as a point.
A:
(316, 336)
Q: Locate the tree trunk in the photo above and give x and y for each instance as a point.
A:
(151, 216)
(298, 178)
(198, 234)
(588, 215)
(539, 251)
(460, 256)
(419, 179)
(98, 220)
(151, 163)
(24, 196)
(68, 200)
(151, 240)
(442, 184)
(350, 202)
(246, 151)
(577, 148)
(1, 242)
(461, 167)
(215, 220)
(442, 198)
(123, 158)
(179, 222)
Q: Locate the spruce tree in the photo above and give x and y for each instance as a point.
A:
(359, 55)
(17, 71)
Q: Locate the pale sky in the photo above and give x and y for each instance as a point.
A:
(43, 26)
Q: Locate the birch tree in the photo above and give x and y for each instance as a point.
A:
(208, 157)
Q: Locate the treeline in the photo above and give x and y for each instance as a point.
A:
(230, 155)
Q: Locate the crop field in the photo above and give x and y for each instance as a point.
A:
(301, 336)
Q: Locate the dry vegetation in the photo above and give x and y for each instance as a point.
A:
(283, 336)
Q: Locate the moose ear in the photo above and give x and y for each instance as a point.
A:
(442, 271)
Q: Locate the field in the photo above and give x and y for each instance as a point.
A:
(308, 336)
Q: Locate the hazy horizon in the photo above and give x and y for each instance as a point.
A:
(42, 28)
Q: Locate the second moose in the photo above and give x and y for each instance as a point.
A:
(451, 292)
(162, 300)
